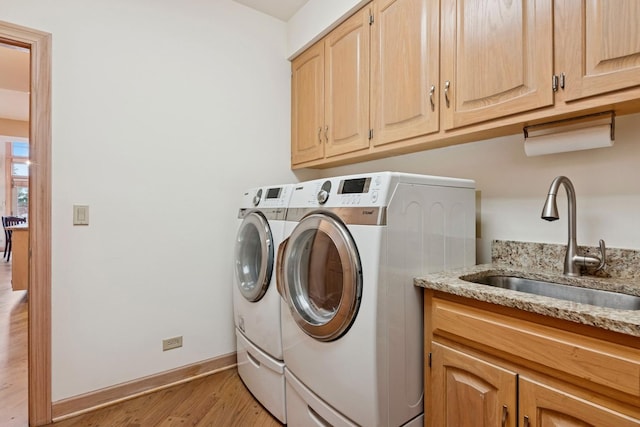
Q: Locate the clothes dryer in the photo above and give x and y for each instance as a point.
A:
(256, 301)
(351, 315)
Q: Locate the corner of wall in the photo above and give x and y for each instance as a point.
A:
(315, 19)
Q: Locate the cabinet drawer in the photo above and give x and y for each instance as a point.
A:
(601, 362)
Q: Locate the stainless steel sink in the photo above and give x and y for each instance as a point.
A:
(566, 292)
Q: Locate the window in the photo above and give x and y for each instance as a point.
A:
(17, 178)
(20, 149)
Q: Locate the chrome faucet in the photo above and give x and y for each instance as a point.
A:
(572, 260)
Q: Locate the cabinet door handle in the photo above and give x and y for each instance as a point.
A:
(326, 134)
(505, 412)
(526, 421)
(446, 92)
(432, 89)
(320, 134)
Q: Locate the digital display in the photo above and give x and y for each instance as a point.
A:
(274, 193)
(354, 186)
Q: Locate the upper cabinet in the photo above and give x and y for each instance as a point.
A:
(405, 50)
(307, 105)
(496, 59)
(408, 75)
(478, 61)
(600, 42)
(330, 93)
(346, 80)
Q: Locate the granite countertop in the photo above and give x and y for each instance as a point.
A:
(531, 267)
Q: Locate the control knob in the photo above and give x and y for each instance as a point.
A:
(323, 194)
(257, 197)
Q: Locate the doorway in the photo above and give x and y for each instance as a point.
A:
(39, 271)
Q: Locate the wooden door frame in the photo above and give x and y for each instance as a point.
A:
(39, 305)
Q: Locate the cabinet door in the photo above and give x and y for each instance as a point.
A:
(470, 392)
(600, 40)
(307, 105)
(347, 85)
(496, 59)
(405, 49)
(544, 406)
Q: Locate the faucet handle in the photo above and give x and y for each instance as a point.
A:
(593, 261)
(603, 255)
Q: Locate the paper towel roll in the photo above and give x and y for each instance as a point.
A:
(572, 140)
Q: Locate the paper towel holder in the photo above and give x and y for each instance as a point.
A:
(564, 125)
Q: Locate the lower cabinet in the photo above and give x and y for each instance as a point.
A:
(470, 392)
(475, 377)
(20, 258)
(542, 405)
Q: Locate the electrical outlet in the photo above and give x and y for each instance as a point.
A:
(171, 343)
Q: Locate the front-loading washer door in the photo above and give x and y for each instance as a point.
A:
(254, 256)
(321, 276)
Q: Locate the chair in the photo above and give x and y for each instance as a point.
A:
(6, 236)
(8, 221)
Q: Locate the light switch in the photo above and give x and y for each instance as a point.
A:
(80, 215)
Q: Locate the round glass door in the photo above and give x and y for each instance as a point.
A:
(322, 277)
(254, 256)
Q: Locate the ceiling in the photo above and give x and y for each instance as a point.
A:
(281, 9)
(14, 83)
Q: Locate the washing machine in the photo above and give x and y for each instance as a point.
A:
(256, 301)
(352, 320)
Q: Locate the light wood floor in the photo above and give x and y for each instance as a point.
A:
(218, 400)
(13, 351)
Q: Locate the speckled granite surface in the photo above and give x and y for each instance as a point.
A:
(545, 262)
(621, 263)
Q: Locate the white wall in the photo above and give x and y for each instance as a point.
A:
(163, 112)
(513, 187)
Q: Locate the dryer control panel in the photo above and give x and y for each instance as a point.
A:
(277, 196)
(271, 201)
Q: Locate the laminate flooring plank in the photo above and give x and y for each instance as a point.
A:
(236, 407)
(217, 400)
(156, 407)
(197, 405)
(175, 422)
